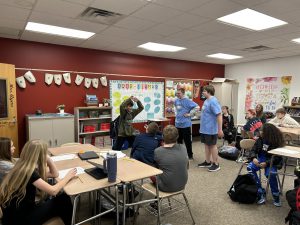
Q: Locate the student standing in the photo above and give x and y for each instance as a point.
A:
(210, 128)
(18, 189)
(7, 161)
(228, 125)
(183, 123)
(127, 114)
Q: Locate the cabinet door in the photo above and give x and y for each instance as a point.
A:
(41, 129)
(63, 131)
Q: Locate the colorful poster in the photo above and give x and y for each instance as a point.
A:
(271, 92)
(151, 94)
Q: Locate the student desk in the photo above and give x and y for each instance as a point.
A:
(73, 149)
(84, 183)
(287, 151)
(290, 134)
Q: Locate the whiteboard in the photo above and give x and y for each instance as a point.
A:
(151, 94)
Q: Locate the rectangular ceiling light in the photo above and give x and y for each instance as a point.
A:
(61, 31)
(296, 40)
(156, 47)
(250, 19)
(224, 56)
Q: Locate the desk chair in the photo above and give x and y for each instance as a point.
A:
(169, 208)
(246, 146)
(70, 144)
(54, 221)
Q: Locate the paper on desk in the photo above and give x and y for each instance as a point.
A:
(63, 157)
(287, 151)
(63, 173)
(119, 154)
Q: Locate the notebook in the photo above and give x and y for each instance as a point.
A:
(88, 155)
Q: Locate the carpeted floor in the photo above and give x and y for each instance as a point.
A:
(207, 195)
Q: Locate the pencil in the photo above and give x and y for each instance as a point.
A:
(80, 179)
(128, 159)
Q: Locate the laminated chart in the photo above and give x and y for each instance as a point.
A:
(151, 94)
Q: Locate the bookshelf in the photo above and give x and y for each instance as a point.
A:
(293, 111)
(92, 125)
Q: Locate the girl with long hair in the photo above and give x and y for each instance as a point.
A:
(260, 113)
(228, 125)
(270, 138)
(7, 161)
(18, 189)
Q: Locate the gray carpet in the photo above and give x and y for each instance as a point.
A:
(207, 195)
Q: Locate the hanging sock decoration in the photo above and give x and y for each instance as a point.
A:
(79, 79)
(57, 79)
(21, 82)
(95, 82)
(103, 81)
(48, 78)
(30, 77)
(87, 82)
(67, 78)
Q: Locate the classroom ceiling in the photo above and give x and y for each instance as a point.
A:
(186, 23)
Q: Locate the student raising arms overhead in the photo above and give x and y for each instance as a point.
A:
(18, 189)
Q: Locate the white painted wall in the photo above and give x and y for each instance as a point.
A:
(271, 67)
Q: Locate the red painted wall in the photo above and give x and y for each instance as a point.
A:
(55, 57)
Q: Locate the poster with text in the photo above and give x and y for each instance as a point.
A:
(151, 94)
(271, 92)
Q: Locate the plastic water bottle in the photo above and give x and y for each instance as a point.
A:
(111, 165)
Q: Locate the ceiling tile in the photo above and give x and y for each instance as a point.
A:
(40, 17)
(59, 7)
(81, 2)
(210, 27)
(28, 4)
(86, 26)
(39, 37)
(156, 13)
(277, 7)
(185, 5)
(8, 12)
(15, 24)
(251, 3)
(187, 20)
(126, 7)
(164, 29)
(135, 23)
(118, 32)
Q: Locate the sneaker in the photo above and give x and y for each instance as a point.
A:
(204, 164)
(261, 200)
(276, 201)
(214, 167)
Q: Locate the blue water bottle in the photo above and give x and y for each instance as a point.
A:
(111, 165)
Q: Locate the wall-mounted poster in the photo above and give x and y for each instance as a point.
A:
(171, 94)
(151, 94)
(271, 92)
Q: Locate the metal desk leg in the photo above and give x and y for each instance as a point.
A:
(284, 171)
(74, 208)
(117, 203)
(158, 202)
(268, 182)
(124, 203)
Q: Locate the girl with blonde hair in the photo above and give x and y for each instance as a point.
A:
(18, 189)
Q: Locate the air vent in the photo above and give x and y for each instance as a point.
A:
(101, 16)
(257, 48)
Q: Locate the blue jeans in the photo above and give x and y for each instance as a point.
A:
(252, 169)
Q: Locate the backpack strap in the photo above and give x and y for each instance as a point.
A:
(298, 199)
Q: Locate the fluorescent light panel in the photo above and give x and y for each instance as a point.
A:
(224, 56)
(253, 20)
(156, 47)
(296, 40)
(55, 30)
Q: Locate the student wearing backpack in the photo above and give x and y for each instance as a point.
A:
(127, 114)
(270, 138)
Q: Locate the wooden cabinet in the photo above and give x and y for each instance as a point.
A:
(293, 111)
(92, 122)
(54, 129)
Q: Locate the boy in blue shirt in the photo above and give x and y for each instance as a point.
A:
(210, 128)
(185, 108)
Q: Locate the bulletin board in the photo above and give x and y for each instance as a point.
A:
(271, 92)
(151, 94)
(171, 88)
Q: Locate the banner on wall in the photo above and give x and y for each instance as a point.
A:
(151, 94)
(271, 92)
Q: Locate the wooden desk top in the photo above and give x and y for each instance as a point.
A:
(288, 151)
(131, 170)
(75, 149)
(291, 130)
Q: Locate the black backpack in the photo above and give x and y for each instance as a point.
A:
(114, 128)
(228, 152)
(243, 189)
(293, 199)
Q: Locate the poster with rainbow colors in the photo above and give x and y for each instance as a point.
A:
(151, 94)
(271, 92)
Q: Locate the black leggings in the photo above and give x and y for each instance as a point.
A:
(120, 141)
(60, 206)
(185, 134)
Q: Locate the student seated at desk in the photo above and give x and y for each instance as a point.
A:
(19, 188)
(259, 109)
(271, 138)
(172, 159)
(251, 128)
(283, 119)
(7, 161)
(144, 144)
